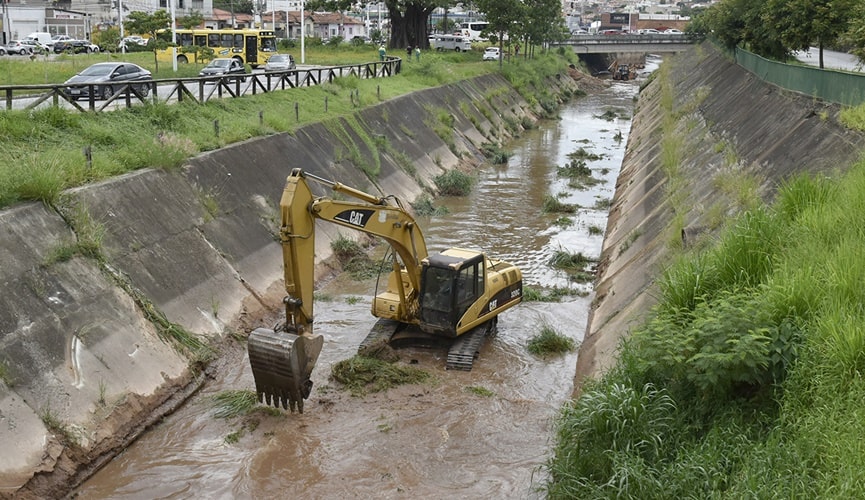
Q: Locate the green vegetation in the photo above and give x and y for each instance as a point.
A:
(233, 403)
(362, 375)
(578, 174)
(745, 382)
(552, 205)
(574, 264)
(555, 294)
(549, 341)
(353, 258)
(454, 183)
(424, 206)
(480, 391)
(494, 153)
(854, 117)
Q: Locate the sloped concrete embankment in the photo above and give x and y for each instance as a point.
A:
(728, 131)
(90, 286)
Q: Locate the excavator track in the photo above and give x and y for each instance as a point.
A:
(383, 330)
(467, 347)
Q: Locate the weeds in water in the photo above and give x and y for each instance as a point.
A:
(362, 375)
(455, 183)
(555, 294)
(353, 299)
(6, 375)
(495, 154)
(480, 391)
(549, 341)
(424, 206)
(564, 222)
(596, 230)
(582, 154)
(233, 403)
(552, 205)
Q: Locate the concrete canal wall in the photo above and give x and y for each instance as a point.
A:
(725, 130)
(94, 287)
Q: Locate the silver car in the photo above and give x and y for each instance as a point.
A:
(280, 62)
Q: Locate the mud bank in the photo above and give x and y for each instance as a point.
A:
(97, 287)
(726, 131)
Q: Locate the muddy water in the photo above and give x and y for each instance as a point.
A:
(479, 434)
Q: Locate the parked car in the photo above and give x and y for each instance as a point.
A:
(579, 32)
(2, 51)
(491, 54)
(75, 46)
(107, 79)
(18, 47)
(224, 66)
(280, 62)
(648, 31)
(61, 38)
(673, 31)
(36, 47)
(133, 40)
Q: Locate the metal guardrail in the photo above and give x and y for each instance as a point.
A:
(199, 89)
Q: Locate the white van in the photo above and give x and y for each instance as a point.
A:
(41, 37)
(451, 42)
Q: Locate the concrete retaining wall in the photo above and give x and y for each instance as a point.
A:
(82, 367)
(731, 126)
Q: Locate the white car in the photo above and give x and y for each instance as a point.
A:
(673, 31)
(491, 54)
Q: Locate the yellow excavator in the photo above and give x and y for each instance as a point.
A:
(453, 296)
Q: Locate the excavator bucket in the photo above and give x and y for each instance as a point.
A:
(282, 364)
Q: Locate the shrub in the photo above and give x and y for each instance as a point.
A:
(455, 183)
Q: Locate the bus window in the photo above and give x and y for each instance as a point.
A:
(201, 40)
(185, 39)
(213, 40)
(267, 44)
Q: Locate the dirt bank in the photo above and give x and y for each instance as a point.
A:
(731, 131)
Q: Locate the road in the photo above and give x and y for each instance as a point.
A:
(831, 59)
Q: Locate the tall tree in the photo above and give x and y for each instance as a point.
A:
(855, 35)
(799, 24)
(504, 17)
(150, 24)
(409, 19)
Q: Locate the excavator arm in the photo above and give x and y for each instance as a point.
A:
(282, 360)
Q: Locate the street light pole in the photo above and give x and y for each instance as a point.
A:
(302, 36)
(120, 21)
(173, 36)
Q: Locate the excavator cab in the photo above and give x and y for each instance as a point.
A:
(450, 285)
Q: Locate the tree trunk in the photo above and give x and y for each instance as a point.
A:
(408, 28)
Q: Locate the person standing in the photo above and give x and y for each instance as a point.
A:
(417, 53)
(381, 53)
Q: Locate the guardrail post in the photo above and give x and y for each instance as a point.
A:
(378, 92)
(325, 104)
(216, 127)
(88, 156)
(261, 118)
(296, 112)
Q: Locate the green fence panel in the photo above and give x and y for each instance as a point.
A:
(830, 85)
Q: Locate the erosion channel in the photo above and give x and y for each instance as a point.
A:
(479, 434)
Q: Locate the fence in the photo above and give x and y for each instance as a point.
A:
(200, 89)
(830, 85)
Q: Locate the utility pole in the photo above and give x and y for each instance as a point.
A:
(173, 36)
(120, 21)
(6, 33)
(302, 35)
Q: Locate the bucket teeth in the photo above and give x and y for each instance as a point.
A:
(281, 365)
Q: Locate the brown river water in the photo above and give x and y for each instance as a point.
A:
(480, 434)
